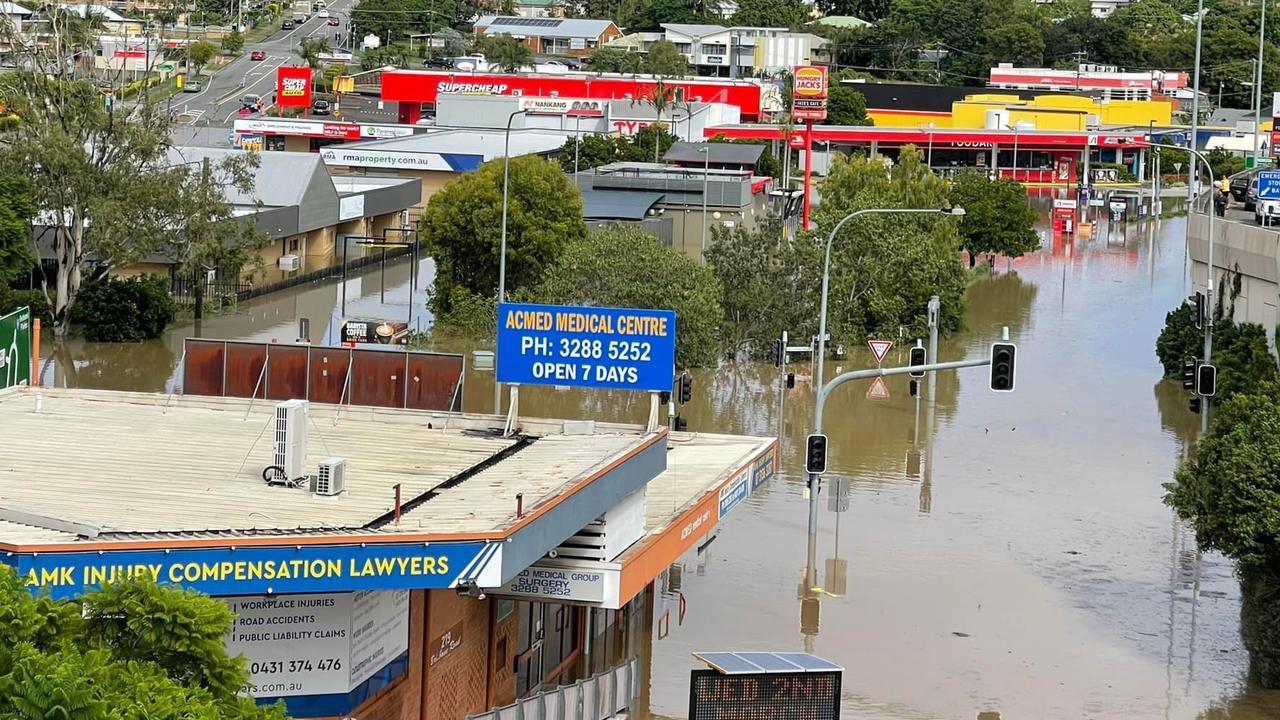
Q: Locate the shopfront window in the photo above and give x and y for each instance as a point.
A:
(547, 640)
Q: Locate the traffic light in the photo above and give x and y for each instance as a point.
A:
(791, 380)
(1189, 373)
(1197, 302)
(686, 387)
(917, 358)
(776, 354)
(664, 397)
(1194, 404)
(815, 454)
(1002, 370)
(914, 388)
(1206, 380)
(680, 424)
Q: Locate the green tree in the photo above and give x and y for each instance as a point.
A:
(623, 266)
(506, 53)
(885, 267)
(131, 650)
(309, 51)
(384, 56)
(17, 255)
(846, 106)
(1020, 43)
(998, 219)
(1240, 351)
(233, 42)
(1229, 491)
(766, 283)
(615, 60)
(648, 15)
(662, 98)
(200, 53)
(1179, 340)
(130, 310)
(88, 168)
(771, 13)
(461, 228)
(664, 60)
(653, 135)
(596, 150)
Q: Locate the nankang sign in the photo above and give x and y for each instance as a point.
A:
(586, 346)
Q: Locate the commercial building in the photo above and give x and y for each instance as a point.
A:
(12, 17)
(423, 567)
(580, 116)
(1030, 156)
(433, 159)
(551, 35)
(737, 51)
(273, 134)
(418, 91)
(1106, 81)
(302, 212)
(733, 198)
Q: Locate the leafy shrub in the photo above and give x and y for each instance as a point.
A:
(11, 300)
(130, 310)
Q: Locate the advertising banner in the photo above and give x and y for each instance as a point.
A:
(293, 86)
(15, 348)
(257, 570)
(323, 653)
(557, 583)
(809, 93)
(573, 107)
(375, 332)
(586, 346)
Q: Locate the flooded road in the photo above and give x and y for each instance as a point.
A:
(999, 554)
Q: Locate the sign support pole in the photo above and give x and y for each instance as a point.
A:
(808, 171)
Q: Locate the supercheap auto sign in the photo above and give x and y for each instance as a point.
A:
(293, 86)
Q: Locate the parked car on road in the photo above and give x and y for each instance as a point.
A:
(288, 24)
(258, 55)
(335, 22)
(320, 107)
(1240, 186)
(251, 101)
(192, 86)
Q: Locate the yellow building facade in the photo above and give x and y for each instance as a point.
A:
(1071, 113)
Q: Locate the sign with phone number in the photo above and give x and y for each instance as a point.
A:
(586, 346)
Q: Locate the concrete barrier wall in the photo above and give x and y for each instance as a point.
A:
(1249, 249)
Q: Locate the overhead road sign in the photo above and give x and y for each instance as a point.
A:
(622, 348)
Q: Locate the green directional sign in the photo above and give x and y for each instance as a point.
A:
(15, 348)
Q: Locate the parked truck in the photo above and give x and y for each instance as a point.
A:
(1266, 209)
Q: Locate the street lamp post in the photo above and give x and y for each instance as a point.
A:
(502, 253)
(1208, 320)
(1195, 101)
(1257, 79)
(577, 140)
(705, 150)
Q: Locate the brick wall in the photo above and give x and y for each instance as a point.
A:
(456, 684)
(502, 688)
(402, 699)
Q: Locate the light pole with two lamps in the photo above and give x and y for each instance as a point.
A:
(502, 253)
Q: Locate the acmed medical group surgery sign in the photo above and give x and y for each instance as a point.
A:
(586, 346)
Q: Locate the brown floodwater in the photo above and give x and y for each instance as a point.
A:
(996, 553)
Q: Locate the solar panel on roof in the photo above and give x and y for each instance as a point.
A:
(769, 662)
(727, 663)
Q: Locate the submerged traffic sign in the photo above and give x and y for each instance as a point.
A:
(878, 390)
(879, 348)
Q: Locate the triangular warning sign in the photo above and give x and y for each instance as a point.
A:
(878, 390)
(879, 348)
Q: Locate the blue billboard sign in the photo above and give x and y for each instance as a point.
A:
(586, 346)
(261, 570)
(1269, 185)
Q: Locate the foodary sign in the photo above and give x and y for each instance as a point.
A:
(809, 93)
(586, 346)
(293, 86)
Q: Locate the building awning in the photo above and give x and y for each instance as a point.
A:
(617, 204)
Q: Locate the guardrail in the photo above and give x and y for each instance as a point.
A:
(596, 698)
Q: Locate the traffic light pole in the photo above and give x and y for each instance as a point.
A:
(816, 478)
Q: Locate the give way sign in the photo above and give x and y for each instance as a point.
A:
(879, 348)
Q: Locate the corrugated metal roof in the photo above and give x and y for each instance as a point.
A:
(487, 143)
(693, 30)
(721, 153)
(696, 464)
(543, 27)
(30, 534)
(617, 204)
(280, 180)
(193, 468)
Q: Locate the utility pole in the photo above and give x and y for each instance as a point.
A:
(1257, 90)
(1195, 106)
